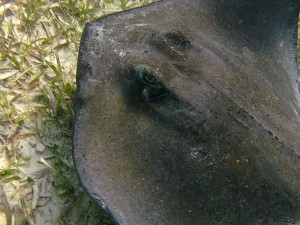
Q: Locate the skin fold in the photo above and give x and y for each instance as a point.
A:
(187, 112)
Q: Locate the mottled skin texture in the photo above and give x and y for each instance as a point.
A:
(187, 113)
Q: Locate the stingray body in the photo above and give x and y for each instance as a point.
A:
(187, 113)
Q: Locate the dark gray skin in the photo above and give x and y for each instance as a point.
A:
(187, 113)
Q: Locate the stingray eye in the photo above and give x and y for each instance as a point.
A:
(145, 77)
(152, 89)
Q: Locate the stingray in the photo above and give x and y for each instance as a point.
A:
(187, 113)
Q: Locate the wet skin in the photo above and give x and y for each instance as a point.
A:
(193, 118)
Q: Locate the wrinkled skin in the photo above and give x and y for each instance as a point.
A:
(187, 113)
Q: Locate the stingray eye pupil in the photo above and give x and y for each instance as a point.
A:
(149, 79)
